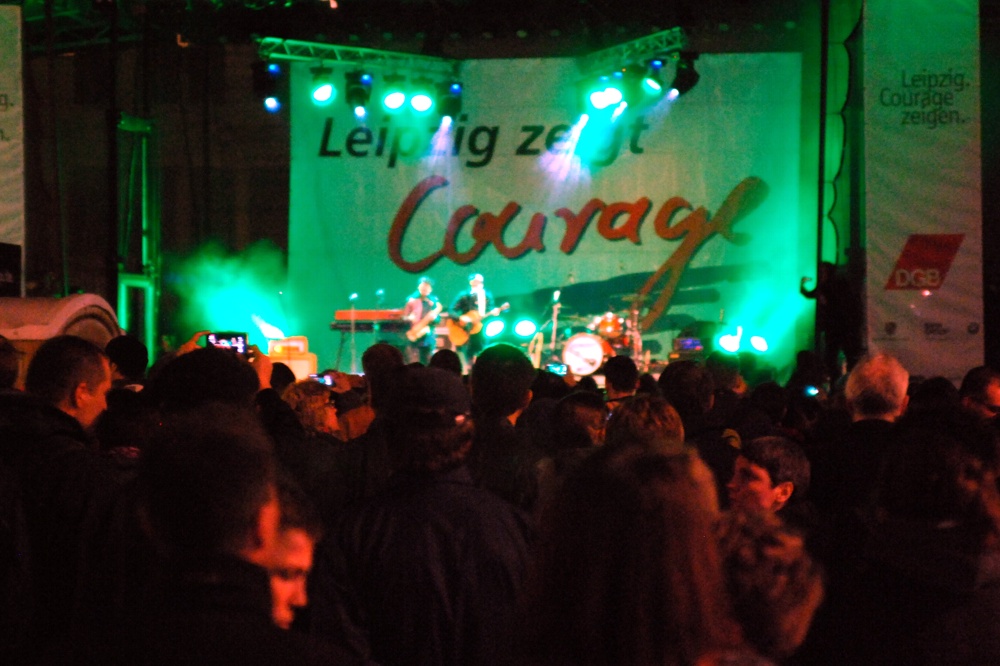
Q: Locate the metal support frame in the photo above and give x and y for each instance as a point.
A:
(660, 44)
(275, 48)
(148, 280)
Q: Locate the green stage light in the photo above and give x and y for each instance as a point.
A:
(525, 328)
(731, 343)
(422, 100)
(651, 82)
(494, 328)
(323, 91)
(395, 95)
(607, 95)
(758, 343)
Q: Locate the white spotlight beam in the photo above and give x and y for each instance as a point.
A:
(275, 48)
(638, 50)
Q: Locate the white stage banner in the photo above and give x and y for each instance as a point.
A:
(11, 153)
(691, 206)
(923, 184)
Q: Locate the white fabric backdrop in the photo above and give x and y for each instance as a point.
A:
(923, 181)
(729, 150)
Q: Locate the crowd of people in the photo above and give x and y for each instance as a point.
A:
(214, 509)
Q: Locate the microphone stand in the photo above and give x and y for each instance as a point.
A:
(555, 325)
(354, 346)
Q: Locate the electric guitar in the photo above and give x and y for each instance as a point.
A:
(422, 327)
(459, 331)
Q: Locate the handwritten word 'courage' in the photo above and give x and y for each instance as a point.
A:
(615, 221)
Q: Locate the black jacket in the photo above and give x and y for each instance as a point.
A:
(428, 572)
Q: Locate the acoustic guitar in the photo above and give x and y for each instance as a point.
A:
(422, 327)
(459, 331)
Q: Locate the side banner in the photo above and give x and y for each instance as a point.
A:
(923, 204)
(690, 208)
(11, 153)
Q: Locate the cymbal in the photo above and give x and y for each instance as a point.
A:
(628, 297)
(577, 319)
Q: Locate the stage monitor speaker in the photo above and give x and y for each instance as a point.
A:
(293, 352)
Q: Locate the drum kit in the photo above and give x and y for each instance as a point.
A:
(596, 338)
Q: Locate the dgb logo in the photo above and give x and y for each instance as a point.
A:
(924, 261)
(918, 278)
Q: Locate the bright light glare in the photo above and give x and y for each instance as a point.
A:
(272, 104)
(525, 328)
(323, 94)
(758, 343)
(394, 100)
(673, 94)
(731, 343)
(494, 328)
(619, 111)
(602, 99)
(360, 112)
(269, 331)
(421, 102)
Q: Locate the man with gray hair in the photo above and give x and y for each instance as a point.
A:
(845, 473)
(846, 467)
(876, 389)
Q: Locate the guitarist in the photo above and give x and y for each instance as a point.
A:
(421, 310)
(464, 310)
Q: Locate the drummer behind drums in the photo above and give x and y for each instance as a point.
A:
(614, 330)
(621, 379)
(608, 326)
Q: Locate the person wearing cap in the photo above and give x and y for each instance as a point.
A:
(428, 571)
(421, 310)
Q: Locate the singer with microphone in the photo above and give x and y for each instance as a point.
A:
(421, 310)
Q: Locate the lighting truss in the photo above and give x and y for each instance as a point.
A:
(639, 50)
(274, 48)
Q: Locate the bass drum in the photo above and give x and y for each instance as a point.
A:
(585, 353)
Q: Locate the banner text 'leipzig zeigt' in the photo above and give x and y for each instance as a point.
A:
(693, 204)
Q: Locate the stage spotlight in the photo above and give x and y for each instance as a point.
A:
(758, 343)
(450, 99)
(605, 94)
(525, 328)
(421, 100)
(730, 342)
(267, 84)
(395, 94)
(357, 92)
(685, 76)
(323, 90)
(494, 328)
(652, 84)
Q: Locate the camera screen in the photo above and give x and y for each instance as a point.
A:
(323, 379)
(556, 368)
(235, 341)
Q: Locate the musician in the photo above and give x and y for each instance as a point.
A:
(469, 306)
(421, 310)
